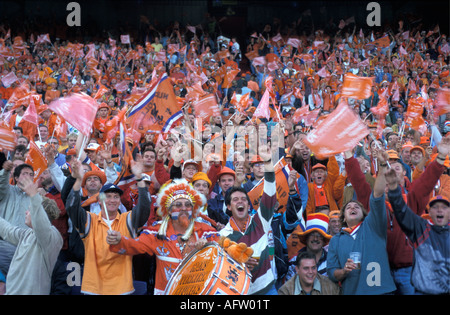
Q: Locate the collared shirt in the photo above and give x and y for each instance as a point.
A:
(299, 290)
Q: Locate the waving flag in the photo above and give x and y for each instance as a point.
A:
(44, 38)
(282, 170)
(263, 107)
(36, 159)
(126, 177)
(9, 79)
(294, 42)
(79, 110)
(414, 116)
(7, 139)
(157, 110)
(442, 102)
(30, 114)
(206, 107)
(339, 132)
(356, 87)
(125, 39)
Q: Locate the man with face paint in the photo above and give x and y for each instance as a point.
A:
(172, 238)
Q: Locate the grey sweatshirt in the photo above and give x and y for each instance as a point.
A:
(36, 254)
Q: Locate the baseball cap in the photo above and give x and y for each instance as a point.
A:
(190, 162)
(438, 198)
(92, 147)
(111, 188)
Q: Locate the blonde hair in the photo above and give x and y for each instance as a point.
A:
(51, 208)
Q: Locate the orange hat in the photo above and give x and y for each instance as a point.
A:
(92, 147)
(97, 173)
(393, 154)
(424, 140)
(408, 144)
(317, 222)
(71, 152)
(334, 214)
(226, 170)
(418, 147)
(103, 105)
(256, 159)
(201, 176)
(318, 166)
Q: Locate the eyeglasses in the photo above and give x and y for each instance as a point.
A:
(180, 205)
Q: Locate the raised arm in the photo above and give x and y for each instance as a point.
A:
(77, 214)
(4, 179)
(40, 221)
(141, 212)
(269, 196)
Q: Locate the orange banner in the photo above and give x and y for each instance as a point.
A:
(282, 170)
(7, 139)
(37, 160)
(442, 103)
(356, 87)
(78, 109)
(339, 132)
(157, 110)
(414, 116)
(206, 106)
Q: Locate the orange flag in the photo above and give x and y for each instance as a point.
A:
(244, 103)
(37, 160)
(30, 114)
(79, 110)
(442, 103)
(61, 127)
(381, 42)
(339, 132)
(158, 108)
(282, 170)
(206, 106)
(263, 107)
(414, 116)
(356, 87)
(7, 139)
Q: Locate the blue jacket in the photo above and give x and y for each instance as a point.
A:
(374, 277)
(431, 265)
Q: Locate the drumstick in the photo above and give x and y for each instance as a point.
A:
(102, 198)
(213, 223)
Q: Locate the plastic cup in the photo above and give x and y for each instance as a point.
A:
(356, 257)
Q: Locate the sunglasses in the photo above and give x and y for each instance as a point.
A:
(180, 205)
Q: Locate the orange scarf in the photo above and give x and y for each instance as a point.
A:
(353, 229)
(320, 196)
(236, 227)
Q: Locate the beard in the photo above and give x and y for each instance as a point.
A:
(184, 221)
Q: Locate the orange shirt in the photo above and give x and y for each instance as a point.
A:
(105, 272)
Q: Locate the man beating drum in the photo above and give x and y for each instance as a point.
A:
(174, 237)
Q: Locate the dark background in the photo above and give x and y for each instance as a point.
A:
(104, 18)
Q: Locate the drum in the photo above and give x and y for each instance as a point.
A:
(209, 271)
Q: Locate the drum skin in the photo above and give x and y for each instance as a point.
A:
(209, 271)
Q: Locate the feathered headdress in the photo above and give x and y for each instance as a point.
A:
(178, 188)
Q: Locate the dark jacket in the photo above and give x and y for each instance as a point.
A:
(431, 268)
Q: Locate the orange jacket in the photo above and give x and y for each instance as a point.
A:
(168, 252)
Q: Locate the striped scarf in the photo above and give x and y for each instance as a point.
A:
(352, 230)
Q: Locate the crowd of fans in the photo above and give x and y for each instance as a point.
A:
(360, 200)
